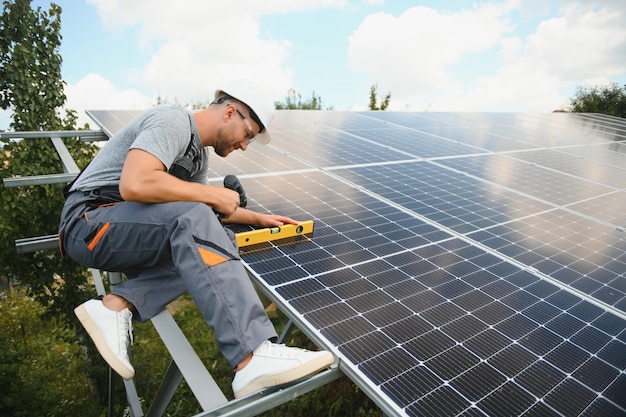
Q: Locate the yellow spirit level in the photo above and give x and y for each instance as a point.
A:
(254, 237)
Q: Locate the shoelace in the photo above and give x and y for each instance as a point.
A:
(125, 322)
(283, 351)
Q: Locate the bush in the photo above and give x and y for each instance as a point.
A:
(42, 369)
(609, 99)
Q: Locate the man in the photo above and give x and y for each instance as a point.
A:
(143, 207)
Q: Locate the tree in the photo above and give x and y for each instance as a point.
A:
(373, 99)
(32, 88)
(609, 99)
(293, 101)
(30, 65)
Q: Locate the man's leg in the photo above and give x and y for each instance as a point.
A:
(176, 242)
(166, 249)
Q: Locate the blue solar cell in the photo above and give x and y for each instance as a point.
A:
(541, 341)
(590, 339)
(408, 386)
(540, 378)
(479, 381)
(570, 397)
(508, 400)
(596, 374)
(615, 392)
(444, 401)
(567, 357)
(386, 366)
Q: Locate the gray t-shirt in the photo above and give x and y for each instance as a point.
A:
(164, 131)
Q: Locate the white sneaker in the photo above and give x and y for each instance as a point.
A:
(110, 331)
(272, 365)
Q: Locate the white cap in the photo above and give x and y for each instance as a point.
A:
(260, 104)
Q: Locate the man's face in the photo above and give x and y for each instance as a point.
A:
(236, 135)
(226, 143)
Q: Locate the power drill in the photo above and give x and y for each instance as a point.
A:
(232, 182)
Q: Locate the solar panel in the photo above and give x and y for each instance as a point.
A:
(461, 263)
(112, 121)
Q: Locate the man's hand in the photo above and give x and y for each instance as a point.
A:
(273, 220)
(245, 216)
(226, 201)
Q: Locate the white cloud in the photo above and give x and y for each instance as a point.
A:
(190, 69)
(166, 19)
(204, 43)
(466, 60)
(584, 45)
(411, 54)
(421, 55)
(582, 42)
(374, 2)
(93, 92)
(192, 50)
(511, 48)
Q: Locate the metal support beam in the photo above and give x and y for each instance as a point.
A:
(255, 404)
(69, 166)
(33, 244)
(38, 180)
(167, 389)
(202, 384)
(84, 135)
(284, 335)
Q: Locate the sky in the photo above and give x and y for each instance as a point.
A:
(440, 55)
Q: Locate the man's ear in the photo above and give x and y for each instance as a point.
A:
(229, 112)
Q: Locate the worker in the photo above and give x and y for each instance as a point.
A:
(143, 206)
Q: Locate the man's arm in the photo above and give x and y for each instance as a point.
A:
(144, 179)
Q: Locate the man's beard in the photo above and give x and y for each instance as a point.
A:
(222, 147)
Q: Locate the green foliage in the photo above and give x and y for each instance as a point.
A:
(42, 370)
(294, 101)
(374, 99)
(610, 99)
(34, 211)
(31, 86)
(30, 65)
